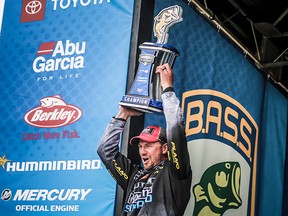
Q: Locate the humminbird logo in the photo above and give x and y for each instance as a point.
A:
(3, 161)
(49, 195)
(44, 166)
(223, 132)
(53, 112)
(54, 56)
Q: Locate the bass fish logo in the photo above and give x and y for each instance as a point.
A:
(53, 112)
(222, 143)
(218, 189)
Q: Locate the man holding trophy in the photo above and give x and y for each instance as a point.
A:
(162, 185)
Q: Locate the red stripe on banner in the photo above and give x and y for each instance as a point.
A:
(46, 48)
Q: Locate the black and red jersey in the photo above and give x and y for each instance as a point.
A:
(162, 190)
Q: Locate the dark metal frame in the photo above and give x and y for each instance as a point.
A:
(264, 45)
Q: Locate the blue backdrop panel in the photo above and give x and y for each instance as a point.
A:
(235, 99)
(63, 71)
(273, 139)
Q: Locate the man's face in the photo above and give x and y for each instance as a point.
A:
(152, 153)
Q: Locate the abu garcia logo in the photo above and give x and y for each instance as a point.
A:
(54, 56)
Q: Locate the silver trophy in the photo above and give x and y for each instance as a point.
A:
(145, 92)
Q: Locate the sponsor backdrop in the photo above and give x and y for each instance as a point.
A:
(63, 70)
(236, 122)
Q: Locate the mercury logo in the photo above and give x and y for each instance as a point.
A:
(53, 112)
(6, 194)
(44, 194)
(54, 56)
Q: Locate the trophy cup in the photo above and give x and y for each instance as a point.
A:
(145, 92)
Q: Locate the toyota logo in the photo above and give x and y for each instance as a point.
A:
(33, 7)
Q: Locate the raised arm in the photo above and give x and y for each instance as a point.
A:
(108, 150)
(177, 143)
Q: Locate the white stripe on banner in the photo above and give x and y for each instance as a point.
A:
(2, 2)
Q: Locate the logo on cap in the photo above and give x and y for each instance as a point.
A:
(151, 134)
(148, 130)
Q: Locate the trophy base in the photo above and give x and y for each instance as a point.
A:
(141, 104)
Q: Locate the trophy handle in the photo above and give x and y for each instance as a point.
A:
(155, 88)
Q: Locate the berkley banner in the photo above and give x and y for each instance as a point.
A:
(235, 127)
(63, 71)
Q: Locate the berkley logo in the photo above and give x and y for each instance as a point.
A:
(53, 112)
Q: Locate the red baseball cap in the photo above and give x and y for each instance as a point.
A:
(151, 134)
